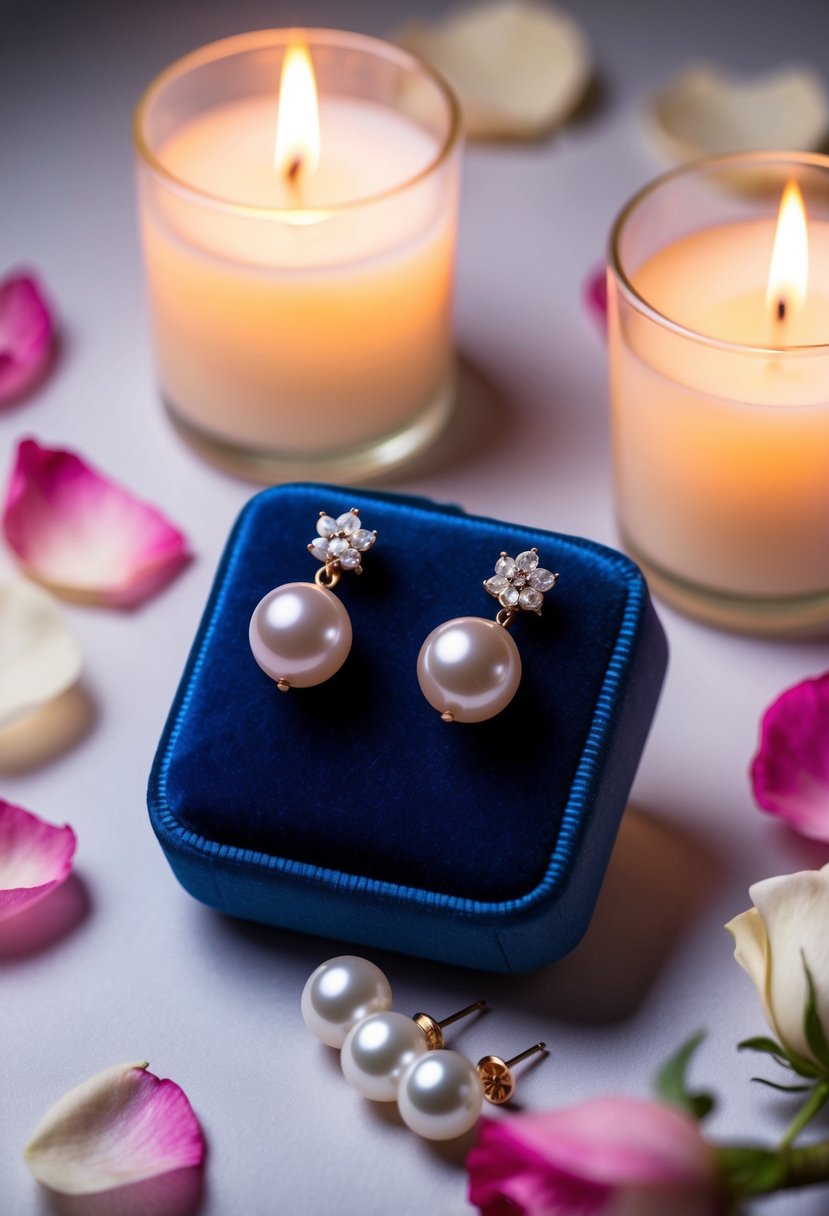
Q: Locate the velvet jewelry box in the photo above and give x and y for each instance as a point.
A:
(349, 809)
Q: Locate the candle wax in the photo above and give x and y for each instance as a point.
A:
(722, 452)
(325, 329)
(229, 152)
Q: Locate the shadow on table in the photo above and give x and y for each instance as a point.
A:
(480, 420)
(658, 879)
(43, 926)
(48, 734)
(180, 1193)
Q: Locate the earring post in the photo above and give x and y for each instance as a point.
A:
(456, 1017)
(531, 1051)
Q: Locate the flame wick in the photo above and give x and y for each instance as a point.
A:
(789, 268)
(297, 150)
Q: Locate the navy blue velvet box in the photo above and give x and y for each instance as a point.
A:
(350, 809)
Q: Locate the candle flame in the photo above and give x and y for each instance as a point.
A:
(789, 269)
(297, 150)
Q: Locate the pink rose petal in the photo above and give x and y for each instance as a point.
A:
(82, 534)
(790, 773)
(580, 1159)
(35, 857)
(121, 1126)
(595, 297)
(25, 335)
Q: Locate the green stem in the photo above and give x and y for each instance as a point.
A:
(806, 1166)
(813, 1105)
(749, 1171)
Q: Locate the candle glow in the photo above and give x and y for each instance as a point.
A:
(297, 150)
(789, 269)
(721, 414)
(298, 237)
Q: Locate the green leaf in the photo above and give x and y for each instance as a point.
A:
(812, 1025)
(784, 1057)
(786, 1089)
(768, 1047)
(671, 1083)
(751, 1171)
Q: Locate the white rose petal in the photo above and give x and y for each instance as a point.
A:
(788, 925)
(707, 110)
(39, 657)
(519, 68)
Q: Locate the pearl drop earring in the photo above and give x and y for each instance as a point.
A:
(379, 1049)
(300, 633)
(469, 668)
(441, 1095)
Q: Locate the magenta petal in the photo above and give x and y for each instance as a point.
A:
(577, 1159)
(121, 1126)
(25, 335)
(83, 535)
(595, 297)
(790, 773)
(35, 857)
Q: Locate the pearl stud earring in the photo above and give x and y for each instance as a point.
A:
(379, 1049)
(300, 633)
(339, 994)
(469, 668)
(441, 1095)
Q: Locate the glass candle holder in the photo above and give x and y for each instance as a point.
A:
(301, 312)
(719, 387)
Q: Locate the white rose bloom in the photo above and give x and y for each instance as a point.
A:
(789, 924)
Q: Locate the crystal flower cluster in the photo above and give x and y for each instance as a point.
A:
(341, 541)
(519, 582)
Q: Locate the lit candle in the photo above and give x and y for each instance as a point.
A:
(299, 239)
(719, 354)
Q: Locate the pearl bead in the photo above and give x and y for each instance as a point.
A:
(341, 993)
(469, 667)
(441, 1096)
(378, 1050)
(300, 633)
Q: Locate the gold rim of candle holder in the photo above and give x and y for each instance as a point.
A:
(224, 47)
(739, 161)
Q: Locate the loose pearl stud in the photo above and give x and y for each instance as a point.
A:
(441, 1095)
(300, 634)
(379, 1049)
(340, 993)
(469, 668)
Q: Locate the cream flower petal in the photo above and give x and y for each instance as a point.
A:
(795, 912)
(35, 857)
(751, 950)
(121, 1126)
(82, 534)
(39, 657)
(708, 110)
(519, 68)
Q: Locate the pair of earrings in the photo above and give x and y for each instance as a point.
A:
(346, 1003)
(468, 668)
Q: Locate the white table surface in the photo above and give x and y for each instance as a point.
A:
(122, 964)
